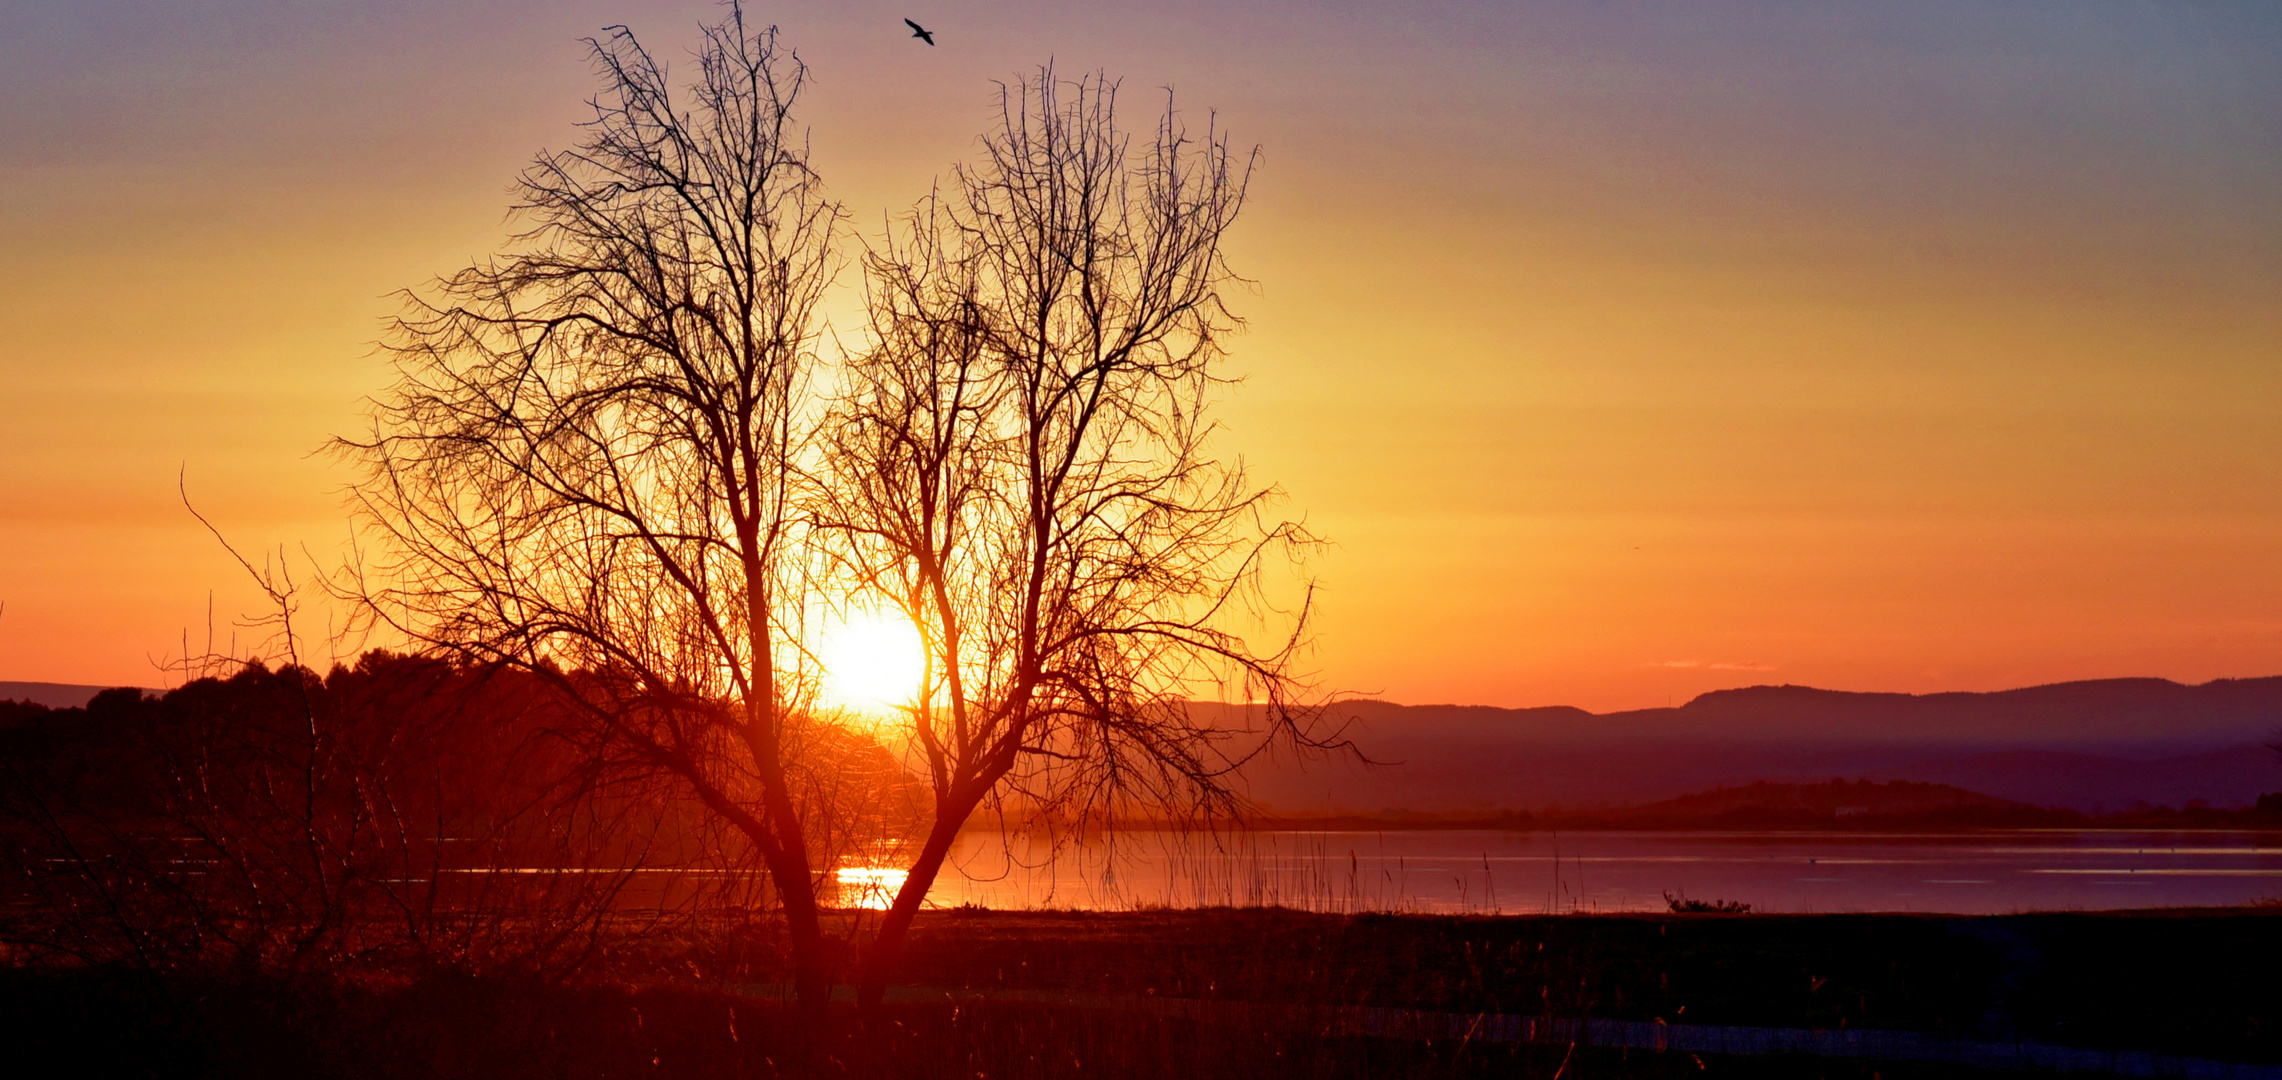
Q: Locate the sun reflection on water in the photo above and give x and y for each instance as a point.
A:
(870, 887)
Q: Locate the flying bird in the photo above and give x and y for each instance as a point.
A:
(920, 32)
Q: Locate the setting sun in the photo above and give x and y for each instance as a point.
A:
(872, 662)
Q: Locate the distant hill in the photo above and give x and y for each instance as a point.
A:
(2090, 746)
(2152, 712)
(2227, 778)
(1861, 804)
(54, 695)
(2104, 712)
(1836, 799)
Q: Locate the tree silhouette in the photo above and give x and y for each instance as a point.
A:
(589, 467)
(614, 460)
(1022, 469)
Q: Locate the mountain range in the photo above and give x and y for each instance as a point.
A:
(2095, 746)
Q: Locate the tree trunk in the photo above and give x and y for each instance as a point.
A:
(811, 981)
(796, 891)
(886, 951)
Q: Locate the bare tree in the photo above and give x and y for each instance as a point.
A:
(1022, 469)
(598, 467)
(589, 468)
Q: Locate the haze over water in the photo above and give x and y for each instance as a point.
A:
(1486, 872)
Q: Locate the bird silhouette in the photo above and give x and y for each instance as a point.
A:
(920, 32)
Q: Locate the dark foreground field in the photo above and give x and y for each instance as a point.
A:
(1248, 993)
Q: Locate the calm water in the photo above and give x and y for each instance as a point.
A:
(1981, 873)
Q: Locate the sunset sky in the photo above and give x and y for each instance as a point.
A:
(1625, 351)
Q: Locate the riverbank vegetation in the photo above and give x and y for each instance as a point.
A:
(1208, 993)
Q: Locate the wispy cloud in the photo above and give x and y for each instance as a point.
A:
(1716, 665)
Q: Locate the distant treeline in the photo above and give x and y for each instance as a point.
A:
(1851, 805)
(402, 809)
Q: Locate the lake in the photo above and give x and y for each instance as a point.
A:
(1514, 873)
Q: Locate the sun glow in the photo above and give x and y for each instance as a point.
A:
(873, 887)
(872, 662)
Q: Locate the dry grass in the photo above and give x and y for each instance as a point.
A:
(1204, 993)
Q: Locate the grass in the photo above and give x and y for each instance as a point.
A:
(444, 1027)
(1061, 994)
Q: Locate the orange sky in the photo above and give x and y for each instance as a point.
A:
(1626, 351)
